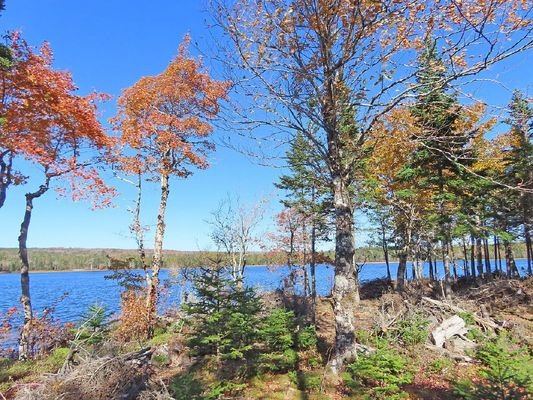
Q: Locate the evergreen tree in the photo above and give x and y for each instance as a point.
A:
(443, 149)
(307, 194)
(520, 172)
(224, 315)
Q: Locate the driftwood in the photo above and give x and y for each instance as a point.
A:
(481, 321)
(454, 326)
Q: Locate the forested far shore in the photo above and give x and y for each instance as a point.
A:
(65, 259)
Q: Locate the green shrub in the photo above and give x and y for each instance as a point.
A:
(277, 330)
(364, 336)
(440, 365)
(307, 338)
(468, 317)
(224, 390)
(314, 361)
(279, 361)
(186, 387)
(224, 316)
(306, 380)
(380, 374)
(160, 360)
(94, 325)
(413, 329)
(160, 338)
(507, 372)
(475, 334)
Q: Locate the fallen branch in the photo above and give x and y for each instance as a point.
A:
(481, 321)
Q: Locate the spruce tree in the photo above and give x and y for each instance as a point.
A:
(224, 315)
(307, 193)
(521, 156)
(443, 150)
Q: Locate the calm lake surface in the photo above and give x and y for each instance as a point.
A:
(73, 292)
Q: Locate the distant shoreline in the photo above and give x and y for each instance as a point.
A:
(44, 271)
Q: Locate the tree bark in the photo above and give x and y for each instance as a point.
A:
(447, 278)
(499, 254)
(472, 257)
(138, 230)
(529, 249)
(512, 271)
(495, 241)
(488, 268)
(25, 298)
(431, 272)
(465, 255)
(313, 262)
(346, 286)
(386, 253)
(402, 267)
(479, 258)
(151, 299)
(6, 178)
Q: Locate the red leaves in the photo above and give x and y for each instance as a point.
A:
(48, 124)
(164, 119)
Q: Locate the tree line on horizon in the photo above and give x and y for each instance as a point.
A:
(101, 259)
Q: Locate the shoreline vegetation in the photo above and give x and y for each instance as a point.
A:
(83, 260)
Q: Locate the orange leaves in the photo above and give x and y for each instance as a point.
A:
(48, 124)
(164, 119)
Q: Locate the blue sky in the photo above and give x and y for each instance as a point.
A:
(108, 45)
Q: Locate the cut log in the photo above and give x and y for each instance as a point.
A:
(450, 327)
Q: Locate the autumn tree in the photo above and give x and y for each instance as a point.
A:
(389, 186)
(163, 122)
(340, 66)
(50, 126)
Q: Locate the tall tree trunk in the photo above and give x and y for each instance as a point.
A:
(465, 258)
(137, 229)
(512, 271)
(454, 261)
(402, 268)
(488, 268)
(527, 209)
(431, 271)
(313, 261)
(386, 253)
(346, 286)
(479, 258)
(472, 257)
(529, 249)
(306, 276)
(499, 254)
(151, 299)
(446, 259)
(6, 177)
(25, 298)
(495, 240)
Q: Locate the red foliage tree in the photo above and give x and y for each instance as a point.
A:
(164, 127)
(47, 124)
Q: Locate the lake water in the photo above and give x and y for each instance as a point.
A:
(86, 288)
